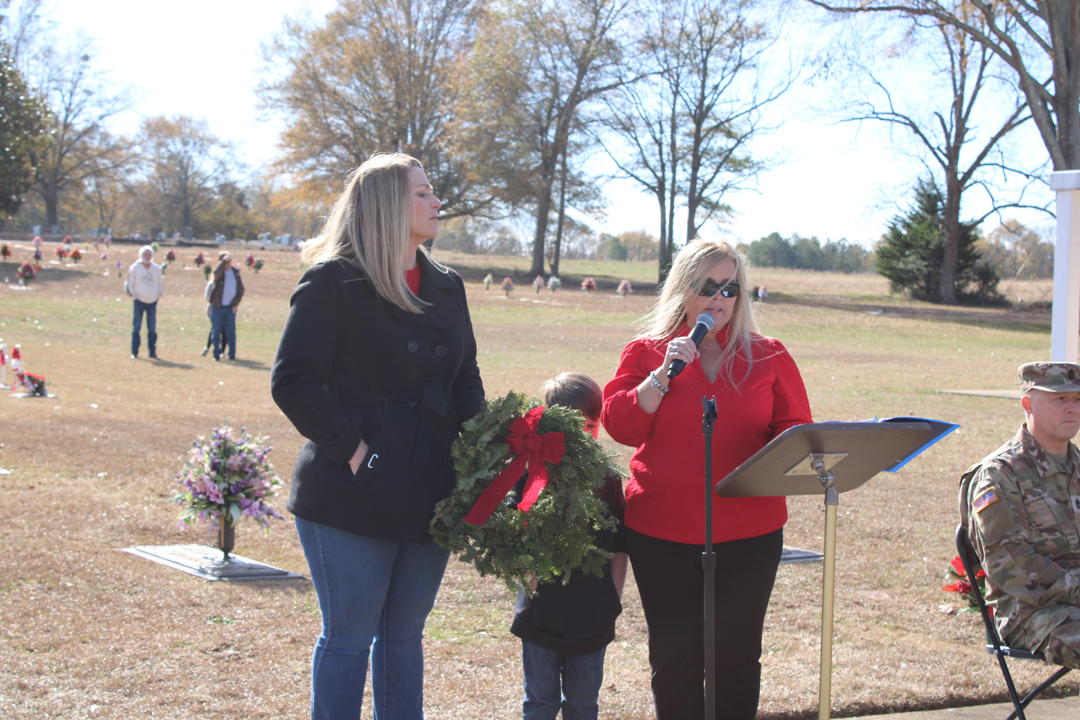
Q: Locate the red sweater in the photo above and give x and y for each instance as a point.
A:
(666, 491)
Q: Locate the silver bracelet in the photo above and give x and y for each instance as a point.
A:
(656, 384)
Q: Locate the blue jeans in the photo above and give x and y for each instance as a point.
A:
(151, 326)
(222, 318)
(555, 680)
(375, 596)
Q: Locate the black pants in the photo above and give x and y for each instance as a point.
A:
(671, 582)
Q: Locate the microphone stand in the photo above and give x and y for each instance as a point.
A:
(708, 563)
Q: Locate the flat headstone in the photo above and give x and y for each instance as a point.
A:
(1006, 394)
(795, 555)
(207, 562)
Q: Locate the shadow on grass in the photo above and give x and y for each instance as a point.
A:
(161, 362)
(250, 364)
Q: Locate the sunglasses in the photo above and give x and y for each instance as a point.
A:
(727, 290)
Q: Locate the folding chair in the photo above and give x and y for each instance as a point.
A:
(971, 562)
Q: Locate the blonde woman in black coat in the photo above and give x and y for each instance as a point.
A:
(376, 367)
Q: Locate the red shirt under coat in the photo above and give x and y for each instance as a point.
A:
(665, 494)
(412, 279)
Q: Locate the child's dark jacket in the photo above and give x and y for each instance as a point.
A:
(578, 617)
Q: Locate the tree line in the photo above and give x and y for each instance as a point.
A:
(508, 103)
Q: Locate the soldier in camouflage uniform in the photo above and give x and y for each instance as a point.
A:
(1021, 505)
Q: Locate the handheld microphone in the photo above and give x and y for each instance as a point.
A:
(704, 324)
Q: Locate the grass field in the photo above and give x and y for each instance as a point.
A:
(89, 631)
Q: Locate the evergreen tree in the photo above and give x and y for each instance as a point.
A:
(22, 125)
(911, 253)
(771, 251)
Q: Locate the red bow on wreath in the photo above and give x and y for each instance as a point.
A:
(532, 449)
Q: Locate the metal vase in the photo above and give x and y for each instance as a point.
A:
(226, 539)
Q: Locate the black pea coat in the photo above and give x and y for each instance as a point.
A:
(350, 365)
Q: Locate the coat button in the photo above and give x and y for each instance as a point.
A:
(440, 350)
(412, 346)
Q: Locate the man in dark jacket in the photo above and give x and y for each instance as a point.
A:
(225, 298)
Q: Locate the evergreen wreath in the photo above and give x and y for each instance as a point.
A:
(553, 537)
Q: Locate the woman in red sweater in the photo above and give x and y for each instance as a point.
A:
(759, 394)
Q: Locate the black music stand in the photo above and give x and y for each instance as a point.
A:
(831, 458)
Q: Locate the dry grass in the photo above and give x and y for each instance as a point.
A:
(88, 631)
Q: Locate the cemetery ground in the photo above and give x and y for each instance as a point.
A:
(87, 630)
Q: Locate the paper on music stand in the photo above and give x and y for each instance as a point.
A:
(941, 428)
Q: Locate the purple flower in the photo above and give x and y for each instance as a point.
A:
(227, 476)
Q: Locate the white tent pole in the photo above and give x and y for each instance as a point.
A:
(1065, 319)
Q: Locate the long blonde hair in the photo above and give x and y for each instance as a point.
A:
(694, 263)
(368, 226)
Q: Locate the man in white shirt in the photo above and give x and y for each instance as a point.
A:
(145, 283)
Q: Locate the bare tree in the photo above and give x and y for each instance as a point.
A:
(82, 104)
(376, 76)
(950, 136)
(1038, 39)
(186, 168)
(19, 27)
(560, 56)
(687, 130)
(644, 117)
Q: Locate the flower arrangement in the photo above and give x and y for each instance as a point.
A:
(170, 256)
(487, 281)
(5, 251)
(199, 260)
(507, 286)
(75, 256)
(249, 260)
(257, 265)
(227, 479)
(624, 287)
(550, 532)
(538, 283)
(37, 257)
(588, 285)
(206, 271)
(26, 273)
(61, 252)
(554, 283)
(961, 584)
(155, 246)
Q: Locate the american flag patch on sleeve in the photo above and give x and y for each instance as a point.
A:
(989, 497)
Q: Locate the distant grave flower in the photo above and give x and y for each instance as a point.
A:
(26, 273)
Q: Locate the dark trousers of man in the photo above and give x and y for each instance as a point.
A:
(223, 330)
(151, 326)
(671, 582)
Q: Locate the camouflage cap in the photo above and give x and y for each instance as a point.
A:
(1055, 377)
